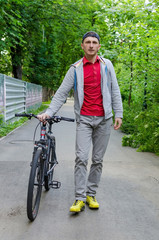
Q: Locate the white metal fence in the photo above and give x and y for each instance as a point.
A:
(17, 96)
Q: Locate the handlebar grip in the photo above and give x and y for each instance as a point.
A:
(21, 115)
(59, 118)
(28, 115)
(67, 119)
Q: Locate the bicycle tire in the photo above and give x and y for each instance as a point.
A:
(35, 185)
(49, 164)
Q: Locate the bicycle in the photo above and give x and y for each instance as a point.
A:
(43, 163)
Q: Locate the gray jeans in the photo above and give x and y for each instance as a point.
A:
(95, 130)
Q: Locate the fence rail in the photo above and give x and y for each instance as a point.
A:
(18, 96)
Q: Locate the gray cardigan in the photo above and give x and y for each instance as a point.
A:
(74, 78)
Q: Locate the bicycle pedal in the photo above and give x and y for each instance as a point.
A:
(55, 184)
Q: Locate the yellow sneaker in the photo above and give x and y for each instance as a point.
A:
(92, 202)
(78, 206)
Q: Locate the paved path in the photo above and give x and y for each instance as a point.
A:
(128, 192)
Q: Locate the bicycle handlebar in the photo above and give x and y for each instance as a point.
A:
(58, 119)
(54, 118)
(29, 115)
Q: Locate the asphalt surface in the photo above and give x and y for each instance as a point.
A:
(128, 193)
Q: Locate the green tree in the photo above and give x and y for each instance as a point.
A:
(39, 39)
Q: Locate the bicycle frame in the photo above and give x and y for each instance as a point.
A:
(46, 143)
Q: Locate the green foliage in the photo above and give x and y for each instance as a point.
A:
(42, 39)
(6, 128)
(144, 131)
(130, 112)
(133, 34)
(1, 119)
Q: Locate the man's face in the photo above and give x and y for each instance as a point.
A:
(90, 46)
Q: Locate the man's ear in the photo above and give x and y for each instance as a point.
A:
(82, 45)
(99, 47)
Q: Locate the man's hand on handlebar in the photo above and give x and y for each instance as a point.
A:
(42, 117)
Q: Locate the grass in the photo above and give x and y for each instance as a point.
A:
(47, 103)
(6, 128)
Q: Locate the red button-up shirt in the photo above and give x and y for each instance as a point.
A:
(93, 101)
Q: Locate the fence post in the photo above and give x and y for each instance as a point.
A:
(2, 95)
(25, 85)
(4, 101)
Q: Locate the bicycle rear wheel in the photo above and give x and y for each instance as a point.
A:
(35, 185)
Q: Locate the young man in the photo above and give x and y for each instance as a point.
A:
(96, 93)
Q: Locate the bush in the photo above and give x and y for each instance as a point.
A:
(143, 130)
(1, 119)
(130, 112)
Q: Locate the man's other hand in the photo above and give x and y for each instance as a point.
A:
(118, 123)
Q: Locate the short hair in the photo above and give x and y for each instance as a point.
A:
(91, 34)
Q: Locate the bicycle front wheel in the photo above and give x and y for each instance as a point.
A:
(35, 185)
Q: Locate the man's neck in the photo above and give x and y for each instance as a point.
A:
(91, 59)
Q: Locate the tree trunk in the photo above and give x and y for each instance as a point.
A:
(16, 56)
(47, 94)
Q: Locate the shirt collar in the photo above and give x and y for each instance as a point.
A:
(85, 61)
